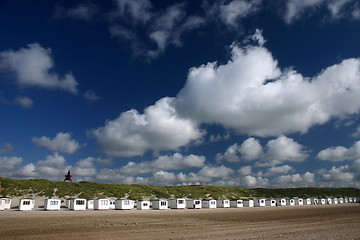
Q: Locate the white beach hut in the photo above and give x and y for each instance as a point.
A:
(350, 200)
(346, 200)
(281, 202)
(260, 202)
(193, 204)
(77, 204)
(52, 204)
(329, 201)
(335, 200)
(178, 203)
(292, 202)
(223, 203)
(299, 201)
(143, 205)
(7, 203)
(90, 204)
(159, 204)
(102, 204)
(236, 203)
(209, 203)
(124, 204)
(315, 201)
(2, 204)
(307, 201)
(26, 204)
(323, 201)
(249, 203)
(111, 204)
(270, 202)
(341, 200)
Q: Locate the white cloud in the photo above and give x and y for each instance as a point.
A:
(169, 26)
(84, 169)
(274, 171)
(218, 137)
(294, 8)
(356, 133)
(32, 67)
(246, 170)
(83, 11)
(336, 7)
(163, 28)
(216, 172)
(166, 162)
(9, 163)
(295, 180)
(339, 153)
(6, 148)
(53, 167)
(91, 96)
(252, 96)
(285, 149)
(138, 10)
(252, 182)
(258, 37)
(27, 171)
(233, 11)
(24, 102)
(277, 151)
(62, 142)
(249, 150)
(158, 128)
(337, 177)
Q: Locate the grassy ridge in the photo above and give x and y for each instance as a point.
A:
(90, 190)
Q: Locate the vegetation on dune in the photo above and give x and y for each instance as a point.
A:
(89, 190)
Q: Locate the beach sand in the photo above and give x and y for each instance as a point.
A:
(290, 222)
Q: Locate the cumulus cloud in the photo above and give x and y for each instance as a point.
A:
(249, 150)
(340, 153)
(83, 11)
(295, 180)
(277, 151)
(251, 181)
(53, 167)
(158, 128)
(275, 171)
(216, 171)
(246, 170)
(285, 149)
(62, 142)
(340, 176)
(24, 102)
(166, 162)
(32, 66)
(9, 163)
(84, 169)
(251, 95)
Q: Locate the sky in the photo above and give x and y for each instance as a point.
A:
(230, 93)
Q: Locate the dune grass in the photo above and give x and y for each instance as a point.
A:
(90, 190)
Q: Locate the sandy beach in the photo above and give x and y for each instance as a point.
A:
(290, 222)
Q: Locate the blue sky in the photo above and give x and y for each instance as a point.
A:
(235, 93)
